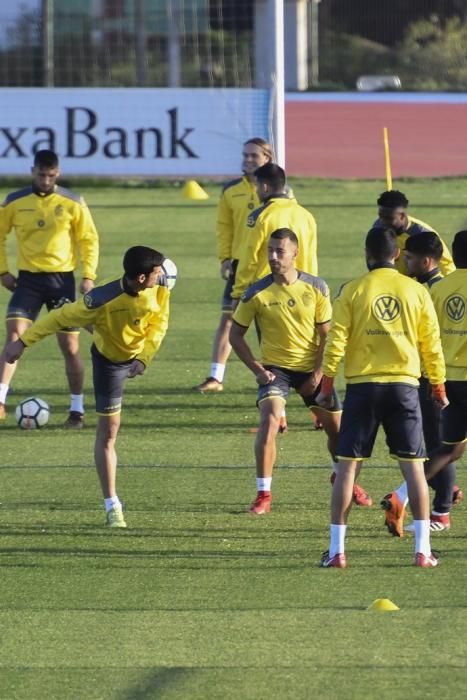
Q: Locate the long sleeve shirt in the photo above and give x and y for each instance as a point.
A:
(54, 232)
(238, 200)
(277, 212)
(382, 323)
(450, 299)
(126, 325)
(414, 227)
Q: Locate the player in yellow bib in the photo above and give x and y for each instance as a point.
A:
(238, 200)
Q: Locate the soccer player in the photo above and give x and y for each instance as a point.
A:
(129, 316)
(293, 311)
(238, 200)
(422, 255)
(277, 210)
(53, 229)
(392, 213)
(450, 300)
(380, 322)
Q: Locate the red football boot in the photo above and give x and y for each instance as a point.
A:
(262, 503)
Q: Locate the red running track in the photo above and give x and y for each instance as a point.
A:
(340, 139)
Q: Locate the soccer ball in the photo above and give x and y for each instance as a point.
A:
(169, 272)
(32, 413)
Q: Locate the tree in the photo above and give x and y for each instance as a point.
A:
(432, 55)
(386, 21)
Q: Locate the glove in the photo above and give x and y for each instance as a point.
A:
(327, 385)
(438, 391)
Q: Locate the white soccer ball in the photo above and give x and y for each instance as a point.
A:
(169, 271)
(32, 413)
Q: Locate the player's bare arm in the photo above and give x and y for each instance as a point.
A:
(315, 377)
(241, 347)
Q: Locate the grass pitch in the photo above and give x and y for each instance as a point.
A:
(197, 599)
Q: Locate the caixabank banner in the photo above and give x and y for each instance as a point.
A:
(131, 132)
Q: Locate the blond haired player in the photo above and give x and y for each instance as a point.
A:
(239, 198)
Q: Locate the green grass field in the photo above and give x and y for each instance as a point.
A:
(197, 599)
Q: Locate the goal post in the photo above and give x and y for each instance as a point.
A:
(270, 67)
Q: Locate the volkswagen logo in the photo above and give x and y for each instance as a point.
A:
(455, 307)
(386, 308)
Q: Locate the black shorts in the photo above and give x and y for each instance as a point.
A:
(108, 379)
(287, 379)
(34, 289)
(227, 300)
(431, 416)
(454, 416)
(394, 406)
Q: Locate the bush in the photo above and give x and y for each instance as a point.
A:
(433, 56)
(345, 57)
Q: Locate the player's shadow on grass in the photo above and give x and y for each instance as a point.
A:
(92, 531)
(153, 555)
(155, 683)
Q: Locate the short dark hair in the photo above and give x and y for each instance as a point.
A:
(273, 175)
(425, 243)
(459, 249)
(45, 159)
(141, 260)
(392, 199)
(281, 233)
(381, 243)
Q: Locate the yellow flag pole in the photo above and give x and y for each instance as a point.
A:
(387, 159)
